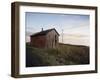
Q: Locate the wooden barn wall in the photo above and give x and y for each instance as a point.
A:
(50, 38)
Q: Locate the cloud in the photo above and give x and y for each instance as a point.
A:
(75, 27)
(76, 39)
(27, 38)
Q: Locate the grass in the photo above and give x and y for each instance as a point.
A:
(64, 55)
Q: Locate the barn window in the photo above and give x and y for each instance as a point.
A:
(55, 40)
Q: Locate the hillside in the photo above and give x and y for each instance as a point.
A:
(66, 54)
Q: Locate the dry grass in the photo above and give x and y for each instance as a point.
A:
(64, 55)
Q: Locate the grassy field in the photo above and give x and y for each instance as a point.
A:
(64, 55)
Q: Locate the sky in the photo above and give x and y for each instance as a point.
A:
(73, 28)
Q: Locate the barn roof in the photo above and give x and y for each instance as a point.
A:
(44, 32)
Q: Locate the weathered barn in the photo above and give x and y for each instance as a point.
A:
(45, 39)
